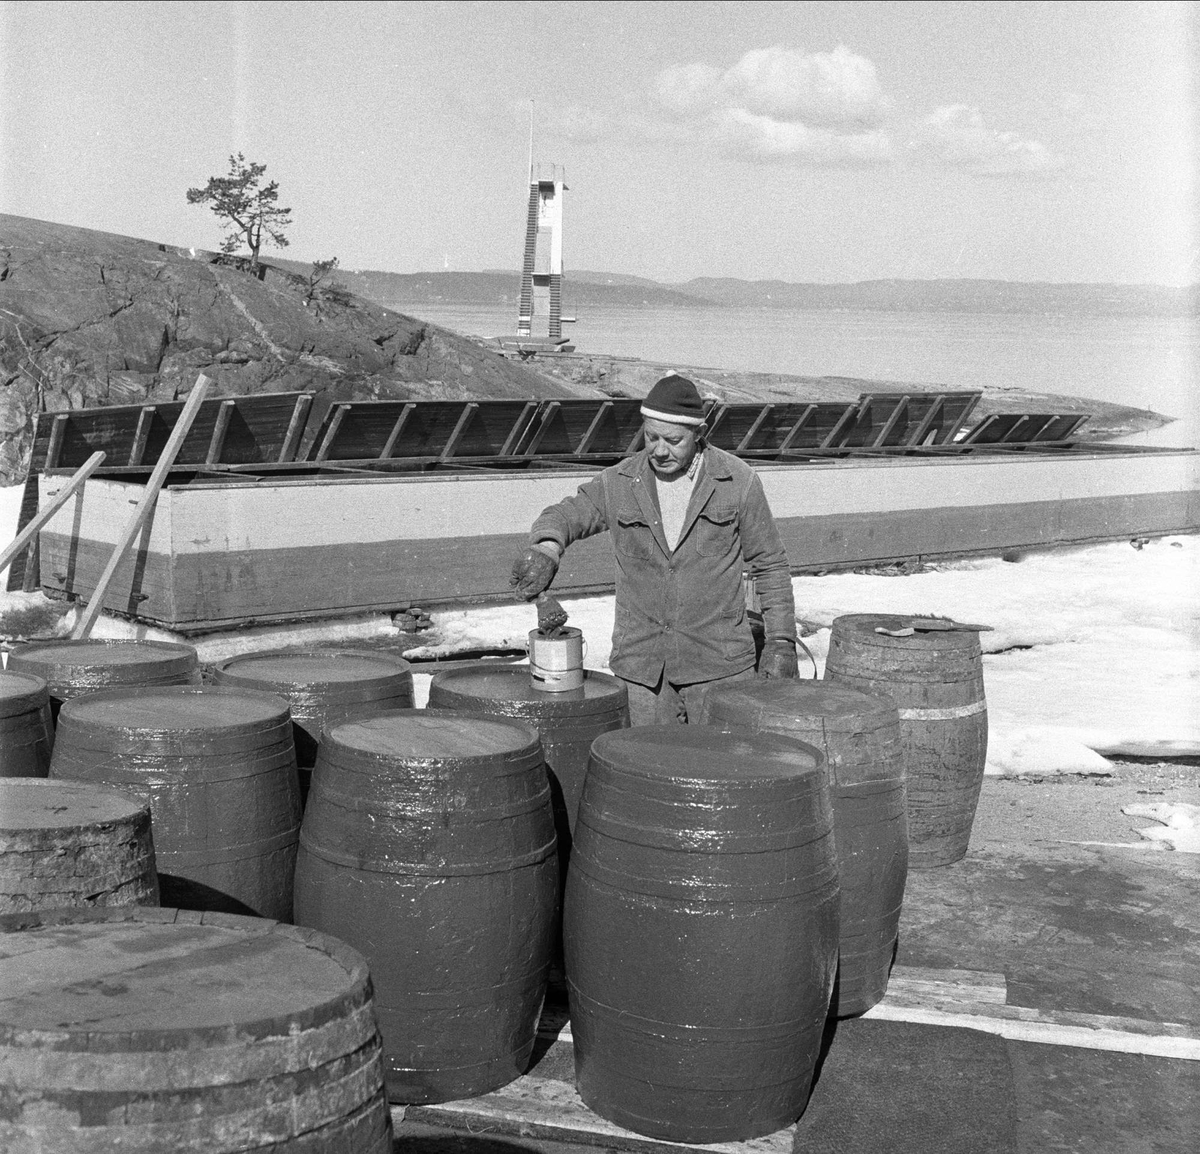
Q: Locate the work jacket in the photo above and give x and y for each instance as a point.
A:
(682, 610)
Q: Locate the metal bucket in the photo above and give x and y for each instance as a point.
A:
(556, 663)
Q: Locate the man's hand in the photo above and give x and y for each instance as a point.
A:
(778, 659)
(532, 572)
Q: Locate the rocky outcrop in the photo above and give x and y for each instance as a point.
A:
(88, 318)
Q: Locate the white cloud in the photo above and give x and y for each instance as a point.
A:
(823, 89)
(754, 137)
(957, 135)
(781, 104)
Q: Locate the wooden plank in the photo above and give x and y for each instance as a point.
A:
(88, 618)
(755, 425)
(220, 428)
(520, 425)
(141, 436)
(290, 445)
(58, 429)
(470, 410)
(389, 446)
(44, 515)
(797, 428)
(547, 1107)
(336, 415)
(588, 438)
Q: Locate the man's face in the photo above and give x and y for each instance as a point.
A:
(672, 447)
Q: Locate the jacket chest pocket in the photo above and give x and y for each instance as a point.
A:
(633, 536)
(715, 531)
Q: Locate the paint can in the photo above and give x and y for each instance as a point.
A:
(322, 687)
(218, 768)
(556, 663)
(72, 668)
(148, 1030)
(71, 843)
(936, 681)
(26, 730)
(701, 930)
(859, 735)
(428, 843)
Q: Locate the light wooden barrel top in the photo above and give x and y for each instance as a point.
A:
(29, 803)
(424, 734)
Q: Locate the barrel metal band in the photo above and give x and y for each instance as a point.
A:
(970, 710)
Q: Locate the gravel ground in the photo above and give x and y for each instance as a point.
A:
(1078, 808)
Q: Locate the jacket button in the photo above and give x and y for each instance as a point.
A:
(666, 629)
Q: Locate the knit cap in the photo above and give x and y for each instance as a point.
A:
(674, 399)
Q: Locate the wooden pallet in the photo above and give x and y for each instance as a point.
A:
(546, 1105)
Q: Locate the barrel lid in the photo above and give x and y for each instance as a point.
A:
(21, 692)
(179, 977)
(780, 702)
(172, 708)
(90, 652)
(302, 669)
(863, 625)
(36, 803)
(599, 692)
(703, 753)
(433, 734)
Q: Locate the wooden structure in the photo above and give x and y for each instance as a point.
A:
(391, 503)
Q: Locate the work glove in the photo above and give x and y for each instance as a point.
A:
(778, 659)
(532, 572)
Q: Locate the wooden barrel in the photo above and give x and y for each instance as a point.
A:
(428, 843)
(26, 730)
(155, 1030)
(568, 722)
(72, 668)
(859, 735)
(936, 681)
(218, 768)
(70, 843)
(322, 687)
(701, 929)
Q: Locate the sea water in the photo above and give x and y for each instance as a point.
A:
(1148, 362)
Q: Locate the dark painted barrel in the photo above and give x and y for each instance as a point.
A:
(322, 687)
(936, 681)
(568, 721)
(701, 930)
(156, 1030)
(72, 668)
(428, 843)
(26, 731)
(859, 734)
(72, 843)
(218, 768)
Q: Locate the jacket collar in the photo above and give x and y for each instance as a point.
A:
(714, 468)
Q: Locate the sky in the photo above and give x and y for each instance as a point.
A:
(824, 142)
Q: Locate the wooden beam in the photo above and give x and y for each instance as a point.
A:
(43, 515)
(338, 413)
(518, 429)
(220, 428)
(58, 430)
(464, 419)
(755, 425)
(295, 429)
(145, 506)
(585, 442)
(137, 451)
(389, 446)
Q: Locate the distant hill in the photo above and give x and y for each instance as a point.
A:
(583, 289)
(580, 290)
(991, 296)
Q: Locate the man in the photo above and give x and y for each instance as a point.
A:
(686, 518)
